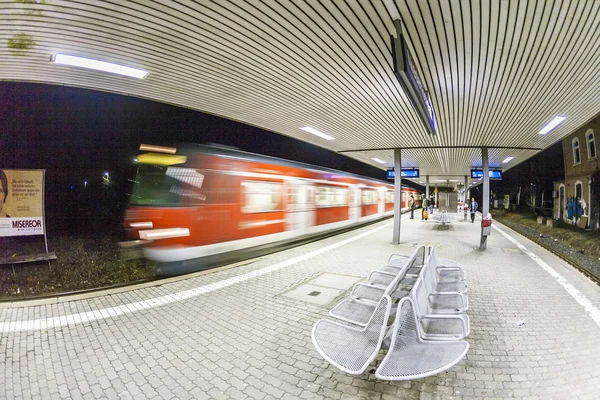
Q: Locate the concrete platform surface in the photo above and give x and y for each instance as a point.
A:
(233, 333)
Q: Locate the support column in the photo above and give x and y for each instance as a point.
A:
(485, 209)
(466, 198)
(397, 195)
(427, 187)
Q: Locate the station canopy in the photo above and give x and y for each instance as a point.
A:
(496, 71)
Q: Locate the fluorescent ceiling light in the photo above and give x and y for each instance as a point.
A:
(99, 66)
(317, 133)
(378, 160)
(507, 159)
(552, 124)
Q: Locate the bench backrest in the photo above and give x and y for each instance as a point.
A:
(428, 273)
(417, 259)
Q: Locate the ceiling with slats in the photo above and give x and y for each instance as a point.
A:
(496, 71)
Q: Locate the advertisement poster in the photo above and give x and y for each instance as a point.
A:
(21, 202)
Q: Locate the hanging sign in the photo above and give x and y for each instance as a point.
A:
(495, 174)
(406, 173)
(21, 202)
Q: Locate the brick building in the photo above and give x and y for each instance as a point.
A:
(582, 175)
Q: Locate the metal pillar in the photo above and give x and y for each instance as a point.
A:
(485, 209)
(397, 195)
(466, 198)
(427, 187)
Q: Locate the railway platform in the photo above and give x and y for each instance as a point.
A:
(245, 331)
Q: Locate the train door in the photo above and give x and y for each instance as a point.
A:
(300, 208)
(215, 219)
(381, 197)
(354, 203)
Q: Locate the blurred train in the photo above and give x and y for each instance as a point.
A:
(198, 206)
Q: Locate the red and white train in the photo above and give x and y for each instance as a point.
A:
(199, 205)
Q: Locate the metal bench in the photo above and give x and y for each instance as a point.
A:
(433, 326)
(352, 349)
(447, 284)
(444, 297)
(444, 218)
(447, 270)
(411, 357)
(364, 297)
(431, 343)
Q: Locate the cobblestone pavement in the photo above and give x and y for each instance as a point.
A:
(231, 333)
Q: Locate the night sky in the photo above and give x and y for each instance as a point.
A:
(78, 134)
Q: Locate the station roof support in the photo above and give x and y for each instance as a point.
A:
(485, 200)
(397, 195)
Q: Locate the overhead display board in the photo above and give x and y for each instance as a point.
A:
(406, 173)
(495, 174)
(406, 72)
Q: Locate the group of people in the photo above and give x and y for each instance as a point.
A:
(426, 207)
(428, 204)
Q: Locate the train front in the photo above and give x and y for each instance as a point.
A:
(166, 201)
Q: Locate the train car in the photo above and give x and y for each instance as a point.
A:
(198, 206)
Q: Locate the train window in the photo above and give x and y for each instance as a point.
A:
(301, 196)
(261, 196)
(389, 196)
(369, 197)
(152, 186)
(331, 196)
(178, 186)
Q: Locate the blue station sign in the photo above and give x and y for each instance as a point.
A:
(495, 174)
(406, 173)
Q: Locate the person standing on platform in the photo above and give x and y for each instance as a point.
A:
(424, 209)
(472, 208)
(412, 206)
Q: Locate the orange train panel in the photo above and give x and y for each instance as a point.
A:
(369, 209)
(331, 214)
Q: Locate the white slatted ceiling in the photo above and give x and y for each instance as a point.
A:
(497, 71)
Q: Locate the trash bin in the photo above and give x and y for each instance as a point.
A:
(486, 225)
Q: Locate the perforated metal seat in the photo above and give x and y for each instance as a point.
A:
(435, 326)
(381, 278)
(442, 286)
(364, 297)
(444, 297)
(411, 357)
(352, 349)
(447, 270)
(398, 260)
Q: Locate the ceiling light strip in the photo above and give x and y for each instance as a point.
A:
(552, 124)
(317, 133)
(97, 65)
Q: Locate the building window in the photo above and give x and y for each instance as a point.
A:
(589, 135)
(578, 190)
(576, 153)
